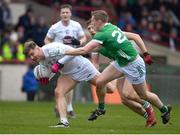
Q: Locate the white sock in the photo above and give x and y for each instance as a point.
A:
(69, 107)
(146, 104)
(64, 120)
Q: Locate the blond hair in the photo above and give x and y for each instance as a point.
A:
(28, 46)
(100, 15)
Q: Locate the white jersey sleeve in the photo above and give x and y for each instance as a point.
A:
(80, 30)
(50, 33)
(54, 49)
(65, 59)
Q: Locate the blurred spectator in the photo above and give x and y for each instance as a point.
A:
(137, 8)
(39, 31)
(11, 47)
(97, 3)
(21, 36)
(27, 22)
(175, 7)
(30, 84)
(5, 14)
(1, 16)
(172, 41)
(126, 19)
(143, 28)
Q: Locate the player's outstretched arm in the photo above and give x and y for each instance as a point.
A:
(89, 47)
(140, 43)
(137, 39)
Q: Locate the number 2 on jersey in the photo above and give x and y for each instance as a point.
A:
(120, 37)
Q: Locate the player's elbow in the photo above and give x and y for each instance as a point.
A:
(45, 41)
(137, 36)
(133, 36)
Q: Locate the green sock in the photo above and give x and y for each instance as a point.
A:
(101, 106)
(163, 109)
(145, 115)
(146, 104)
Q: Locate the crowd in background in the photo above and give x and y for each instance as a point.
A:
(157, 20)
(13, 37)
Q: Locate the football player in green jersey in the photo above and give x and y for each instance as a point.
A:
(127, 93)
(127, 61)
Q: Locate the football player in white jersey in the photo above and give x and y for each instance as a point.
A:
(69, 32)
(75, 69)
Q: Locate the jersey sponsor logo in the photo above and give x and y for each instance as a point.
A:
(124, 55)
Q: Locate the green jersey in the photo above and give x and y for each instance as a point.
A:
(105, 53)
(116, 44)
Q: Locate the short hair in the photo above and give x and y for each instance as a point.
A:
(66, 6)
(88, 22)
(100, 15)
(28, 46)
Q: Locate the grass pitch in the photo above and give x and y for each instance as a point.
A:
(30, 118)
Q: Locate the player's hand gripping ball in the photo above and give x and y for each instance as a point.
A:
(42, 74)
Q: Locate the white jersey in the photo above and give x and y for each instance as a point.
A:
(53, 53)
(58, 31)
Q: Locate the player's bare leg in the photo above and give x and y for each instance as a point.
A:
(101, 95)
(128, 95)
(64, 85)
(70, 112)
(109, 73)
(141, 90)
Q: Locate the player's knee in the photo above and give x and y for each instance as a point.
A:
(144, 96)
(124, 97)
(99, 84)
(58, 93)
(111, 88)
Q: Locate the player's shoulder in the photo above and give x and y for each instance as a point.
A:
(57, 24)
(99, 34)
(75, 23)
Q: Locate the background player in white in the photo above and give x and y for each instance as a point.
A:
(127, 93)
(69, 32)
(74, 69)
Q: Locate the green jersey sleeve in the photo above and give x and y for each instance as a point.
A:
(99, 37)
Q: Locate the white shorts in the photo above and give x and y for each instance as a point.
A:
(135, 71)
(85, 72)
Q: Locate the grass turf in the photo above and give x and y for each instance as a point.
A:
(29, 118)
